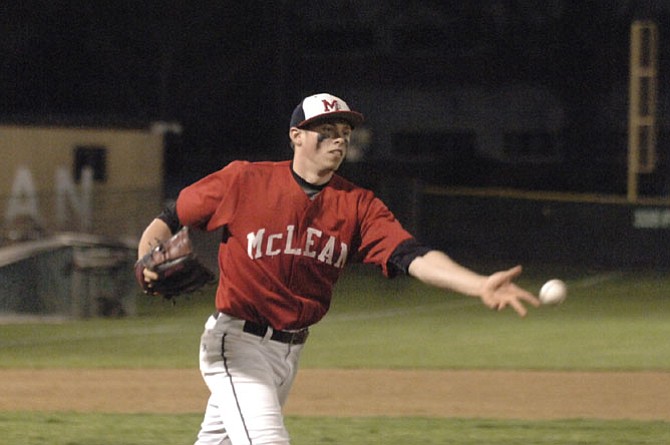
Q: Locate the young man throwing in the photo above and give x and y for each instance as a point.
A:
(289, 229)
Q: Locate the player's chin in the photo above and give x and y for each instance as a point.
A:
(335, 163)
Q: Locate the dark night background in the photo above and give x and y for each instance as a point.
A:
(231, 72)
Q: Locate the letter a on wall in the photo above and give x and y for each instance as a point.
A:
(23, 199)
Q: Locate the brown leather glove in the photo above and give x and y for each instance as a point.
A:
(178, 268)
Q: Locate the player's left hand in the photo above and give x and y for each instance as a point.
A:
(172, 268)
(499, 291)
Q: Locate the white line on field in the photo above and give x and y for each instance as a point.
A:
(388, 313)
(596, 280)
(90, 335)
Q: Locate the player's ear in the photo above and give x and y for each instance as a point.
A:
(295, 134)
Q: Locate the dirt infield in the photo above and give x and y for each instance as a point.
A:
(466, 394)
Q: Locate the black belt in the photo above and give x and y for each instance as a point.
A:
(288, 337)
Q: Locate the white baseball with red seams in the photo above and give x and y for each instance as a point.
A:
(553, 292)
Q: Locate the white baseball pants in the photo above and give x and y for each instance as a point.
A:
(249, 378)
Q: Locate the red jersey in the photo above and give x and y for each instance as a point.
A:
(282, 252)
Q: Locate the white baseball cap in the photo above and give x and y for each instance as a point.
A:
(322, 106)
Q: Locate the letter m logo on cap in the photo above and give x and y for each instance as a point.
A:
(333, 105)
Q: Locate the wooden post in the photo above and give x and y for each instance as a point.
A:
(642, 103)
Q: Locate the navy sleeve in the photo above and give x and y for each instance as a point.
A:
(404, 254)
(169, 217)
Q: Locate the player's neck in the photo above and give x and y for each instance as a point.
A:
(310, 189)
(312, 176)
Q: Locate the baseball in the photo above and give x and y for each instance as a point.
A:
(553, 292)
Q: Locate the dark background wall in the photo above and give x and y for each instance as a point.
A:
(547, 230)
(231, 72)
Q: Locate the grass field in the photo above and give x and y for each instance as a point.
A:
(148, 429)
(612, 320)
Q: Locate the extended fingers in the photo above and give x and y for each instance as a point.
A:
(510, 274)
(517, 300)
(506, 293)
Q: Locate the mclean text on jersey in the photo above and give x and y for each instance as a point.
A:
(315, 245)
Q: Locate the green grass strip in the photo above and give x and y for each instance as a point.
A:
(611, 321)
(159, 429)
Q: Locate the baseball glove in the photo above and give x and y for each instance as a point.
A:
(178, 267)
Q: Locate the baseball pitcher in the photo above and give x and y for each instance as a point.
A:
(289, 230)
